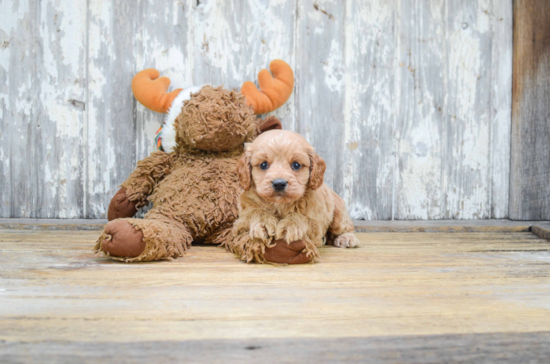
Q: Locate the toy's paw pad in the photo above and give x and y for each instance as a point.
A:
(262, 231)
(289, 232)
(285, 253)
(347, 240)
(125, 240)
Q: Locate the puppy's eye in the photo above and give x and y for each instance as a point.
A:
(296, 166)
(264, 165)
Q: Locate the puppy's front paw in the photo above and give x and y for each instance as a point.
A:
(262, 231)
(347, 240)
(289, 232)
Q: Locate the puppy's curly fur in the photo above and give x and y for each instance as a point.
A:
(304, 209)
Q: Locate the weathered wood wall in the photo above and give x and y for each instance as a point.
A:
(409, 102)
(530, 154)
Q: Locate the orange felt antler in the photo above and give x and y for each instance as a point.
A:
(150, 90)
(274, 91)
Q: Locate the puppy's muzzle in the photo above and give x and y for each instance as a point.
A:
(279, 185)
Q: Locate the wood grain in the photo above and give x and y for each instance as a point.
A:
(18, 124)
(320, 82)
(421, 127)
(530, 162)
(369, 116)
(448, 125)
(42, 108)
(542, 230)
(443, 226)
(501, 108)
(408, 102)
(459, 348)
(53, 288)
(111, 135)
(373, 226)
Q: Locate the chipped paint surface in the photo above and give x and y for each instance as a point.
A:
(409, 104)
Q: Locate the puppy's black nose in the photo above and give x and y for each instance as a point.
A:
(279, 185)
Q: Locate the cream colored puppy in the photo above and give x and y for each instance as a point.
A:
(285, 197)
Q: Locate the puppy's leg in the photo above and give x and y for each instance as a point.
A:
(260, 224)
(252, 240)
(293, 227)
(341, 226)
(295, 235)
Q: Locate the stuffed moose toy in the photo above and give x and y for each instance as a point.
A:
(192, 181)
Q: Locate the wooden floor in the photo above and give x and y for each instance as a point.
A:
(399, 297)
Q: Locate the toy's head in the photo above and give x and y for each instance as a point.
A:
(214, 119)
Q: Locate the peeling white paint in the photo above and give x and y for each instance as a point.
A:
(5, 54)
(396, 88)
(213, 39)
(368, 109)
(333, 68)
(12, 13)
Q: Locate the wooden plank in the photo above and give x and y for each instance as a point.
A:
(468, 109)
(43, 111)
(530, 162)
(541, 229)
(475, 348)
(501, 108)
(52, 288)
(320, 83)
(421, 130)
(369, 115)
(445, 125)
(18, 107)
(58, 147)
(360, 225)
(53, 224)
(111, 130)
(442, 226)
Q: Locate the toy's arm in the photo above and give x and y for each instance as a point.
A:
(140, 185)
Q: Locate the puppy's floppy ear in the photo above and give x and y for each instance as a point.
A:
(316, 171)
(270, 123)
(244, 169)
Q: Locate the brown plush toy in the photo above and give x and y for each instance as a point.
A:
(192, 182)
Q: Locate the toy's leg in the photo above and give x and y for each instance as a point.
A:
(121, 206)
(285, 253)
(141, 240)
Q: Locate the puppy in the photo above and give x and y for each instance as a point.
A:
(285, 197)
